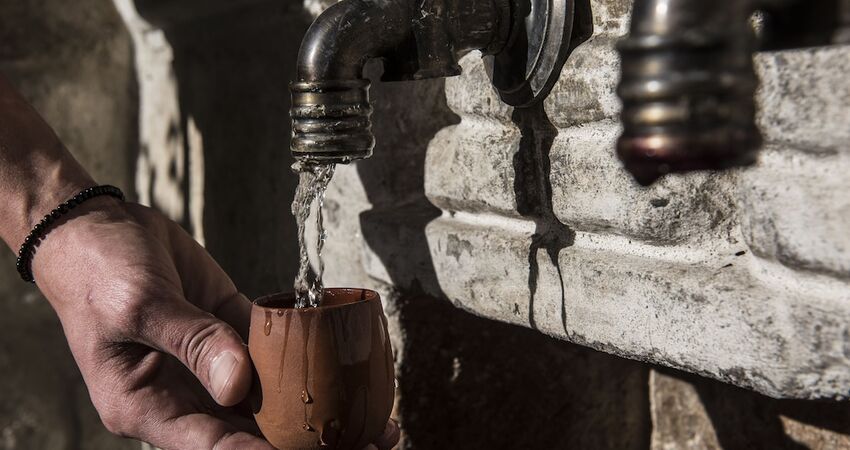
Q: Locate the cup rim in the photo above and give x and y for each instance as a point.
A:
(368, 295)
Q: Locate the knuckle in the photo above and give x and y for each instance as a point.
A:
(224, 441)
(119, 412)
(115, 421)
(132, 314)
(129, 304)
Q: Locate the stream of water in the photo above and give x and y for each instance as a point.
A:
(313, 180)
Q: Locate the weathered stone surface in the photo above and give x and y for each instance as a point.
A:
(797, 209)
(76, 68)
(592, 192)
(611, 17)
(586, 91)
(652, 304)
(462, 178)
(161, 163)
(803, 98)
(472, 94)
(679, 420)
(690, 412)
(817, 435)
(554, 224)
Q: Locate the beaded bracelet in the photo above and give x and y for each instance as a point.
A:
(38, 232)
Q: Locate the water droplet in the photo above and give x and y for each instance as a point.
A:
(305, 397)
(267, 330)
(330, 433)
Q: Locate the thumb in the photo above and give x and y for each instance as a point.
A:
(207, 346)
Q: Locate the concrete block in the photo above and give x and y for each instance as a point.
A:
(462, 177)
(804, 96)
(726, 316)
(592, 192)
(586, 91)
(795, 209)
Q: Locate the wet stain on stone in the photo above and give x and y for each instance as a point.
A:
(659, 202)
(533, 190)
(455, 247)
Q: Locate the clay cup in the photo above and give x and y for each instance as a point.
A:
(325, 375)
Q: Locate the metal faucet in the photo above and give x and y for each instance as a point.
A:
(688, 84)
(525, 44)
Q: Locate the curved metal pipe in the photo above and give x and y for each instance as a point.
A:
(349, 33)
(416, 38)
(330, 99)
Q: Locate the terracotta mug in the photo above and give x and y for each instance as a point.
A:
(326, 374)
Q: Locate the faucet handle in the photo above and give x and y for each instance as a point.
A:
(543, 35)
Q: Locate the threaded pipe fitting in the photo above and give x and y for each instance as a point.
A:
(331, 121)
(688, 104)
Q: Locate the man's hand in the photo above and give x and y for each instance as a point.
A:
(148, 314)
(132, 288)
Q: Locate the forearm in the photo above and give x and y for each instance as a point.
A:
(36, 171)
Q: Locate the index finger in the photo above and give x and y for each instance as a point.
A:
(203, 431)
(206, 285)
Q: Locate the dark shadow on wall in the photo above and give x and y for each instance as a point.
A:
(744, 419)
(233, 72)
(468, 382)
(407, 116)
(473, 383)
(533, 190)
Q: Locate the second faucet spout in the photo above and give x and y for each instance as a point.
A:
(688, 83)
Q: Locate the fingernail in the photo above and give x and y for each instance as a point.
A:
(221, 370)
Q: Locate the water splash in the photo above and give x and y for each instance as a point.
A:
(313, 180)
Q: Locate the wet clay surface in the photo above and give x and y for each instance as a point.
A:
(326, 374)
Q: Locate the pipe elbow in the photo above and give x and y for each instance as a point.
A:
(416, 38)
(347, 35)
(331, 112)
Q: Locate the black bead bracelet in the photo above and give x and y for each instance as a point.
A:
(38, 232)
